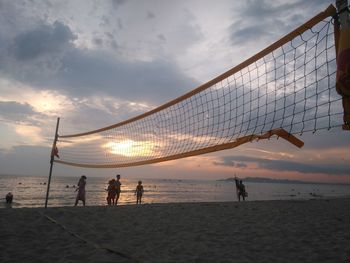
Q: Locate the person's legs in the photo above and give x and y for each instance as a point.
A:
(117, 198)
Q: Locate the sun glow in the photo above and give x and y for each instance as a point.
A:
(130, 148)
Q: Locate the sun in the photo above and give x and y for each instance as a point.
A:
(130, 148)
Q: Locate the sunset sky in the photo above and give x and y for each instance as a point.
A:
(96, 63)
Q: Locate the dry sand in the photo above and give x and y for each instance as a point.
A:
(267, 231)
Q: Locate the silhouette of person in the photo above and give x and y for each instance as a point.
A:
(118, 185)
(112, 191)
(237, 188)
(242, 191)
(81, 190)
(9, 198)
(139, 192)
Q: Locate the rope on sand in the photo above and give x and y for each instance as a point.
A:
(121, 254)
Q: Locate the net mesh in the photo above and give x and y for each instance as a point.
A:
(292, 87)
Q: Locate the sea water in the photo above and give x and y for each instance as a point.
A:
(30, 191)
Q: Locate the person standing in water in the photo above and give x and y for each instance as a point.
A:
(81, 190)
(118, 185)
(111, 192)
(139, 192)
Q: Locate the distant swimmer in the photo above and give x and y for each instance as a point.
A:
(9, 198)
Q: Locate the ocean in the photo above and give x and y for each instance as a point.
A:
(30, 191)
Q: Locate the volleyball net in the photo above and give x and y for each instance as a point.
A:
(286, 89)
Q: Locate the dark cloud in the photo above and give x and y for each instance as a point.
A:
(263, 8)
(231, 163)
(98, 41)
(150, 15)
(120, 23)
(105, 21)
(14, 111)
(83, 72)
(45, 39)
(117, 3)
(267, 20)
(324, 139)
(28, 160)
(248, 33)
(88, 72)
(109, 35)
(282, 165)
(107, 113)
(161, 37)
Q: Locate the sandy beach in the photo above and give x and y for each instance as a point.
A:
(266, 231)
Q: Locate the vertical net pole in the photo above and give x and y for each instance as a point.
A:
(51, 161)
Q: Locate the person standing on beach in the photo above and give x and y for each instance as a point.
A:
(237, 187)
(118, 188)
(112, 191)
(240, 189)
(81, 190)
(139, 192)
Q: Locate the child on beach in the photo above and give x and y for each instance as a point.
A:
(112, 191)
(81, 190)
(139, 192)
(9, 198)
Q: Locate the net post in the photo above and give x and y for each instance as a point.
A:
(51, 161)
(342, 36)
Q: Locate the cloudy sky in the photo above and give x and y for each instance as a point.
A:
(96, 63)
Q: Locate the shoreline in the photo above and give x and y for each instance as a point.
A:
(315, 230)
(3, 205)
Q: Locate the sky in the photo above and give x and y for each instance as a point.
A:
(96, 63)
